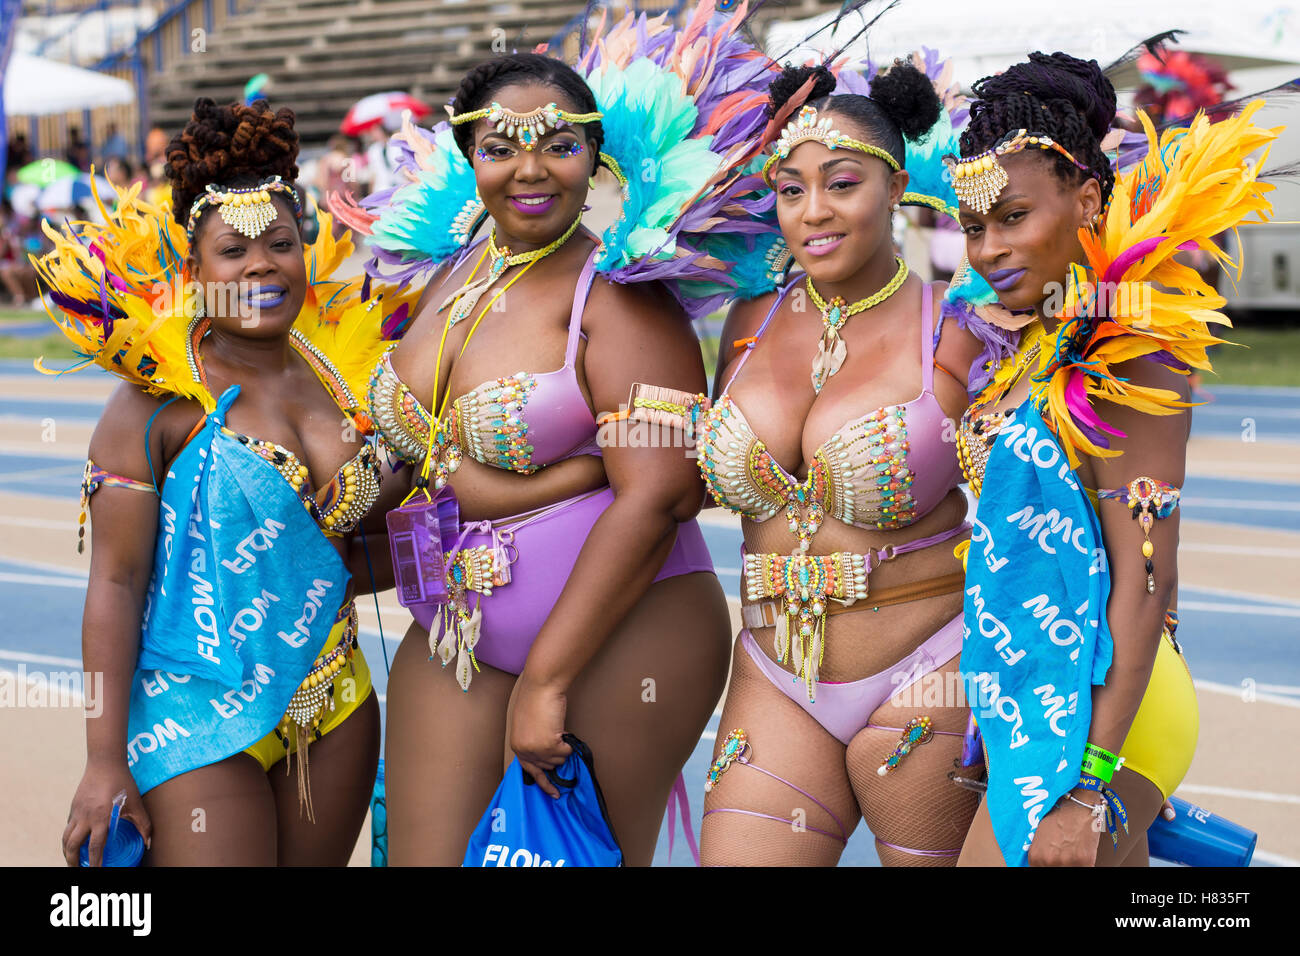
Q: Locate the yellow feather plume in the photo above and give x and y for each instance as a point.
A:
(121, 295)
(1132, 298)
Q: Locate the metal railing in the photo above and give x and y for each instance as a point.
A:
(168, 40)
(171, 37)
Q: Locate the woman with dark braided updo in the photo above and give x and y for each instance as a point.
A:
(228, 470)
(851, 597)
(582, 597)
(1086, 706)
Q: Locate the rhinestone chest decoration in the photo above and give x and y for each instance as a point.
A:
(723, 453)
(860, 476)
(490, 424)
(403, 424)
(870, 480)
(975, 437)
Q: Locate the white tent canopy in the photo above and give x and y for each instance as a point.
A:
(37, 87)
(987, 38)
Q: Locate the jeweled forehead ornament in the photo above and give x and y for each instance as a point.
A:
(248, 209)
(808, 128)
(979, 180)
(526, 128)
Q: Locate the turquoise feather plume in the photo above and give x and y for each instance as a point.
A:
(647, 123)
(417, 220)
(928, 176)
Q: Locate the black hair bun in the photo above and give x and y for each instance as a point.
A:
(1059, 76)
(793, 77)
(232, 144)
(907, 97)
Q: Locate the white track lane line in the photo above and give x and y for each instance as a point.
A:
(1237, 691)
(1270, 599)
(1261, 795)
(1245, 504)
(1274, 859)
(43, 580)
(1221, 607)
(24, 658)
(1260, 551)
(1245, 411)
(50, 524)
(33, 473)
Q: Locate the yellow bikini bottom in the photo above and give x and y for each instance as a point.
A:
(351, 688)
(1162, 738)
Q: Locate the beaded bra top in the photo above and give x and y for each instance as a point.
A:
(520, 422)
(978, 429)
(340, 503)
(867, 474)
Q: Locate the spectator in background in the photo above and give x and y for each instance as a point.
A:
(338, 172)
(1175, 85)
(155, 148)
(78, 149)
(19, 154)
(17, 276)
(117, 170)
(156, 190)
(114, 145)
(379, 165)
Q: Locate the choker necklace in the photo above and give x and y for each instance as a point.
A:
(467, 296)
(831, 350)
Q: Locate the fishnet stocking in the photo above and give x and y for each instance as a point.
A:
(915, 806)
(785, 741)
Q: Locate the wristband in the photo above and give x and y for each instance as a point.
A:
(1101, 763)
(1116, 814)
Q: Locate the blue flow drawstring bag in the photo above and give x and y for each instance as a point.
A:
(523, 826)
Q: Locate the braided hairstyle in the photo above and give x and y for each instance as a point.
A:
(1067, 98)
(478, 86)
(230, 146)
(902, 104)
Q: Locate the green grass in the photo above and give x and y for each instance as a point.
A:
(1271, 357)
(54, 347)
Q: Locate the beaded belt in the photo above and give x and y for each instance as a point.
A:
(315, 695)
(806, 584)
(313, 698)
(475, 570)
(766, 613)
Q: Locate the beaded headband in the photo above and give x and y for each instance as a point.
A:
(978, 180)
(248, 209)
(808, 128)
(528, 128)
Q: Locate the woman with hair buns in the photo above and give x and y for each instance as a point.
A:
(1077, 448)
(832, 403)
(581, 597)
(225, 475)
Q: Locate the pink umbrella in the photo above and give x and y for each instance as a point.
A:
(386, 108)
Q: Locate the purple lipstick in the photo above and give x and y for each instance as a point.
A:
(266, 297)
(533, 204)
(1005, 279)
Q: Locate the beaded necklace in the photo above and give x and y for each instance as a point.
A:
(355, 487)
(831, 350)
(977, 431)
(467, 296)
(443, 454)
